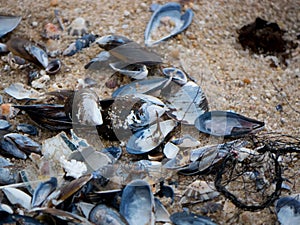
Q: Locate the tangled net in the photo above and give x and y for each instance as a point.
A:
(256, 182)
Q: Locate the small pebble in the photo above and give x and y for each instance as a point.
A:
(126, 13)
(54, 3)
(34, 24)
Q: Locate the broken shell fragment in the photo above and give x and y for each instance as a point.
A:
(19, 92)
(226, 124)
(186, 103)
(166, 22)
(199, 191)
(135, 71)
(147, 139)
(177, 75)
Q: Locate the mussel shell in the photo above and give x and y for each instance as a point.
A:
(185, 218)
(104, 215)
(8, 176)
(142, 86)
(226, 124)
(186, 102)
(173, 11)
(8, 23)
(23, 142)
(53, 67)
(86, 108)
(50, 116)
(7, 218)
(288, 210)
(42, 191)
(109, 42)
(4, 124)
(9, 148)
(148, 139)
(27, 129)
(28, 50)
(137, 204)
(133, 53)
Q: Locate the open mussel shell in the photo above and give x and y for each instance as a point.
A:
(8, 23)
(185, 218)
(186, 103)
(137, 204)
(226, 124)
(168, 15)
(28, 50)
(148, 139)
(104, 215)
(42, 191)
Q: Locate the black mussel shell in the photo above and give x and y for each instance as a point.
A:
(10, 149)
(7, 218)
(28, 50)
(185, 218)
(109, 42)
(23, 143)
(27, 129)
(50, 116)
(177, 75)
(226, 124)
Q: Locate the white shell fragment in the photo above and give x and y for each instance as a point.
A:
(16, 196)
(148, 139)
(199, 191)
(170, 150)
(73, 168)
(19, 92)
